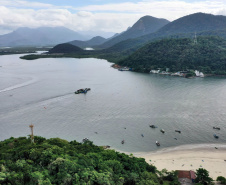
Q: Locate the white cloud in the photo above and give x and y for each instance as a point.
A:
(108, 17)
(84, 14)
(169, 9)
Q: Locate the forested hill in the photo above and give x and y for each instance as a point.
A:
(89, 43)
(65, 48)
(57, 161)
(208, 55)
(187, 26)
(197, 22)
(143, 26)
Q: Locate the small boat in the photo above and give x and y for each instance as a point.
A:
(153, 126)
(157, 143)
(142, 135)
(178, 131)
(123, 141)
(218, 128)
(85, 139)
(216, 136)
(163, 131)
(82, 91)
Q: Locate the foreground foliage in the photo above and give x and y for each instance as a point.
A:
(221, 179)
(202, 177)
(57, 161)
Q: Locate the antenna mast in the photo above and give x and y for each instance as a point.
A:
(195, 39)
(32, 134)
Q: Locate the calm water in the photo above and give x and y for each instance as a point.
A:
(41, 92)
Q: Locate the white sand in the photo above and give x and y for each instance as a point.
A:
(190, 157)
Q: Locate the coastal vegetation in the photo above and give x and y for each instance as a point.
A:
(208, 55)
(203, 177)
(57, 161)
(21, 50)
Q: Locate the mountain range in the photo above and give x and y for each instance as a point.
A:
(187, 26)
(145, 25)
(43, 36)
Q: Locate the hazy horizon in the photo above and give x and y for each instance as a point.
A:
(96, 15)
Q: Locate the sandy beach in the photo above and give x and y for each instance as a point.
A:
(190, 157)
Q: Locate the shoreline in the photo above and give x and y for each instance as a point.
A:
(189, 157)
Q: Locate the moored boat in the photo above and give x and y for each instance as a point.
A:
(157, 143)
(218, 128)
(85, 140)
(216, 136)
(153, 126)
(178, 131)
(163, 131)
(123, 141)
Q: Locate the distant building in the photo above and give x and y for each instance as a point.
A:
(186, 177)
(154, 71)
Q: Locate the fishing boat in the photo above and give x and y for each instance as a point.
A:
(157, 143)
(82, 91)
(178, 131)
(216, 136)
(218, 128)
(85, 140)
(163, 131)
(153, 126)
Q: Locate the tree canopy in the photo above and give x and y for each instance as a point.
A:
(57, 161)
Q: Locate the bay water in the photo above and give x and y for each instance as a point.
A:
(120, 105)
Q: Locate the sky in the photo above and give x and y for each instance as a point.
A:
(97, 15)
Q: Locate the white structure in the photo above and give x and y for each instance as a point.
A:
(155, 71)
(199, 74)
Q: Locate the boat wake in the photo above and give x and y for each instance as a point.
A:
(19, 85)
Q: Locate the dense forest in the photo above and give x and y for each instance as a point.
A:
(57, 161)
(207, 55)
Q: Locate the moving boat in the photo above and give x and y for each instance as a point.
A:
(82, 91)
(157, 143)
(178, 131)
(163, 131)
(218, 128)
(216, 136)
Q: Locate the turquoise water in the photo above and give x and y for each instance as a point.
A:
(41, 92)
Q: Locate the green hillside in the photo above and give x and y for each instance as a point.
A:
(65, 48)
(57, 161)
(184, 27)
(208, 55)
(89, 43)
(197, 22)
